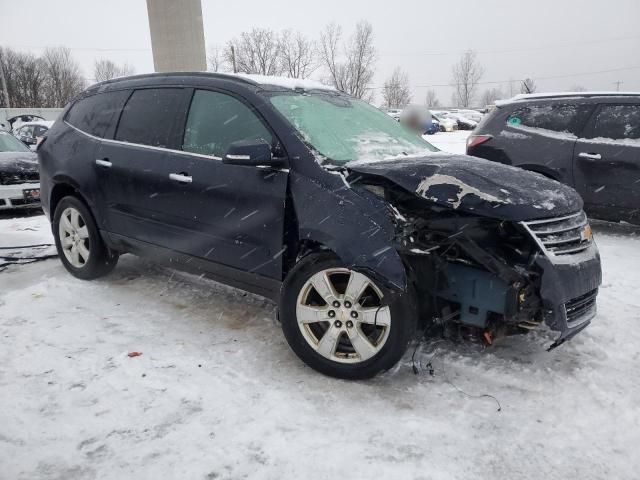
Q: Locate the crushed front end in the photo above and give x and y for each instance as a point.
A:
(487, 277)
(497, 278)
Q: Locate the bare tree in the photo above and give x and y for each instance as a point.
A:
(465, 77)
(431, 100)
(577, 88)
(106, 70)
(257, 51)
(396, 92)
(528, 86)
(297, 54)
(329, 53)
(64, 80)
(215, 61)
(490, 95)
(351, 71)
(23, 79)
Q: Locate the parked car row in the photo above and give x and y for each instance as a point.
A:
(421, 119)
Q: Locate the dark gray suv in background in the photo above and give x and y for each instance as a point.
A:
(590, 141)
(363, 232)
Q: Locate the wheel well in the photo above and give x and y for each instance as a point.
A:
(302, 248)
(543, 172)
(60, 191)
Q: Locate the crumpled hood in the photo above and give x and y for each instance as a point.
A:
(18, 162)
(477, 186)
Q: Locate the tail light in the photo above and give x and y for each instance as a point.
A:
(475, 140)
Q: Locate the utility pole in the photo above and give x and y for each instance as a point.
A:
(177, 35)
(233, 58)
(617, 84)
(3, 81)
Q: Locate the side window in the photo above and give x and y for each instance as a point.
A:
(566, 118)
(215, 120)
(97, 114)
(154, 117)
(616, 122)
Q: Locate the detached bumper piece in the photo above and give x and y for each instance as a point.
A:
(578, 313)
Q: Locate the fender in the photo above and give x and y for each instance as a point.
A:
(542, 170)
(355, 227)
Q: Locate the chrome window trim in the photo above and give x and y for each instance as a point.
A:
(151, 147)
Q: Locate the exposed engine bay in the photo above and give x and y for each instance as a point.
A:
(483, 278)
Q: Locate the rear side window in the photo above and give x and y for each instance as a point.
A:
(616, 122)
(154, 117)
(216, 120)
(97, 114)
(566, 118)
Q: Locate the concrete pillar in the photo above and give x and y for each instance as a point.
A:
(177, 35)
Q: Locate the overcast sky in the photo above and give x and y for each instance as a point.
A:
(570, 40)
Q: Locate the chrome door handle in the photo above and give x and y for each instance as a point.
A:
(103, 163)
(179, 177)
(590, 156)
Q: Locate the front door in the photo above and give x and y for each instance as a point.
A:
(229, 214)
(607, 163)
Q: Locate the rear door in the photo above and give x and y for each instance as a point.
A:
(133, 167)
(607, 162)
(229, 214)
(541, 137)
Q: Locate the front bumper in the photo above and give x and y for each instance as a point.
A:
(12, 196)
(568, 290)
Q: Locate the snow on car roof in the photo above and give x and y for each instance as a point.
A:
(534, 96)
(44, 123)
(286, 82)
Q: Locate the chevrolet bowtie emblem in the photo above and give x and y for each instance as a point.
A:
(586, 233)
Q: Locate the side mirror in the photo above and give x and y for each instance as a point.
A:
(253, 153)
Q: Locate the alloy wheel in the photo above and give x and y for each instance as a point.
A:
(74, 237)
(341, 315)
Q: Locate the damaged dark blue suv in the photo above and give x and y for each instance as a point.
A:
(361, 231)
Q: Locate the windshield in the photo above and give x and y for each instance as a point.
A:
(344, 129)
(9, 143)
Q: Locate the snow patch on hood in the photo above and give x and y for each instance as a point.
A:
(381, 146)
(464, 189)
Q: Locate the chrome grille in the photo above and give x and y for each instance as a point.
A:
(561, 235)
(19, 177)
(581, 308)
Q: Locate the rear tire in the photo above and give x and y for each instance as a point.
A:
(80, 247)
(334, 319)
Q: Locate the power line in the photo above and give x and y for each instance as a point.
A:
(88, 49)
(552, 77)
(514, 50)
(445, 53)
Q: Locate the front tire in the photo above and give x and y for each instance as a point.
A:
(335, 319)
(80, 247)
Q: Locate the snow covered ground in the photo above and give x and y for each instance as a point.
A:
(217, 394)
